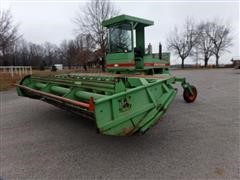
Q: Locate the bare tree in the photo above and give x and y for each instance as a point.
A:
(63, 52)
(182, 43)
(23, 52)
(85, 46)
(72, 52)
(89, 21)
(220, 37)
(8, 33)
(50, 53)
(205, 43)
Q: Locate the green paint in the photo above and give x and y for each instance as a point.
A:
(120, 104)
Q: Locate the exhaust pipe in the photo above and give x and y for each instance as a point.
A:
(160, 51)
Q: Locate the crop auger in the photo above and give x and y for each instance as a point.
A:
(131, 97)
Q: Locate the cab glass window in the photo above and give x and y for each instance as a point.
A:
(120, 38)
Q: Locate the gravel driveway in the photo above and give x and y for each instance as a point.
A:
(193, 141)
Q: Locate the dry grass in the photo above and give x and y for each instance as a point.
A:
(7, 81)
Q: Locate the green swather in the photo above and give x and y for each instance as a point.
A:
(131, 97)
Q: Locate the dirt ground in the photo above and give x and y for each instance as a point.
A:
(193, 141)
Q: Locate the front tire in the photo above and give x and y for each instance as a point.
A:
(188, 96)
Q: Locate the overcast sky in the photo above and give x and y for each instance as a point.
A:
(42, 21)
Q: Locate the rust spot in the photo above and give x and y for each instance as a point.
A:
(219, 171)
(127, 131)
(91, 104)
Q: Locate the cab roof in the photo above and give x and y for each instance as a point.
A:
(125, 18)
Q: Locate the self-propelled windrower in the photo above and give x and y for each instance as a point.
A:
(130, 98)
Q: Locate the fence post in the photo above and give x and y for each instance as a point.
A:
(15, 69)
(20, 71)
(12, 73)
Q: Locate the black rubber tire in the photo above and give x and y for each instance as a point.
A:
(188, 97)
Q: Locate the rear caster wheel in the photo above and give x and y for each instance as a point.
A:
(188, 96)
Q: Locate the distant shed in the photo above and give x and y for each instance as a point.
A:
(236, 63)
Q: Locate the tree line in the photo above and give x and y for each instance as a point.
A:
(76, 52)
(88, 48)
(205, 39)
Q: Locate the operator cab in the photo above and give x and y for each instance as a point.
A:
(126, 47)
